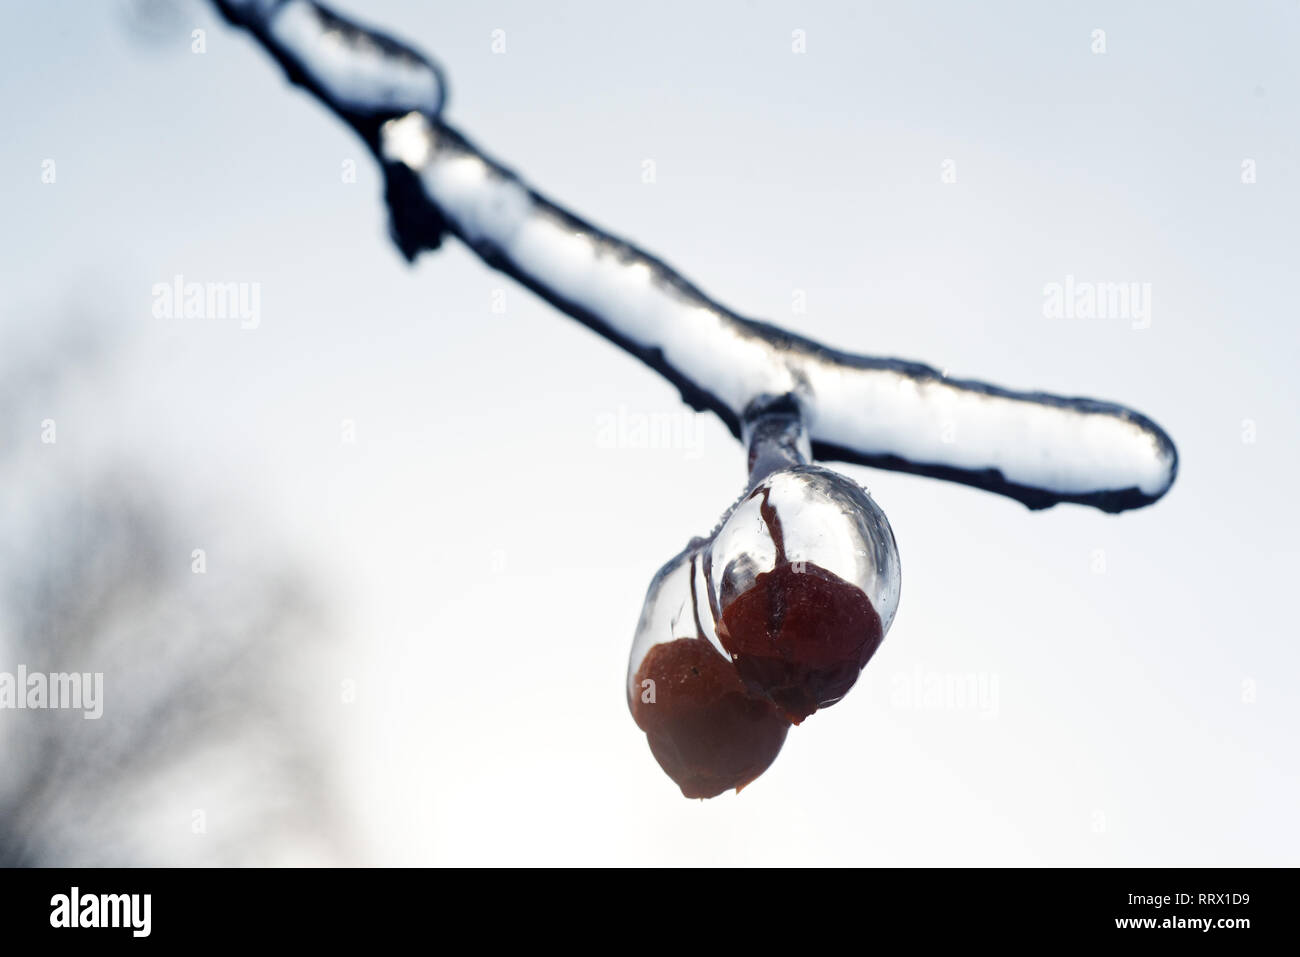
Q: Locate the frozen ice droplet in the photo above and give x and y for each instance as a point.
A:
(668, 612)
(802, 582)
(704, 727)
(806, 516)
(760, 625)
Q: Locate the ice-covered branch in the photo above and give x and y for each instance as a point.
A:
(1040, 449)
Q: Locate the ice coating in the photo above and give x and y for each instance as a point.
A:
(1074, 447)
(765, 622)
(357, 71)
(708, 732)
(1038, 448)
(792, 513)
(822, 518)
(614, 287)
(668, 612)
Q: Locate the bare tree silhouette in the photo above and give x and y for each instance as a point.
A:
(205, 752)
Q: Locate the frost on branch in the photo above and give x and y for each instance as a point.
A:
(1037, 448)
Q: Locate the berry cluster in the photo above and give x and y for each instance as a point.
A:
(753, 630)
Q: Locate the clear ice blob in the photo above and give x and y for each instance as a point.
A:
(758, 626)
(704, 727)
(802, 582)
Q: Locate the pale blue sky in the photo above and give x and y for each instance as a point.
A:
(487, 555)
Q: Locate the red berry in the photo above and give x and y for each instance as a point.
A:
(799, 636)
(706, 731)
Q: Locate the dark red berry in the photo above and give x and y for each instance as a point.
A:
(799, 636)
(706, 731)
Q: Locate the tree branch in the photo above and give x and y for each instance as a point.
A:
(1037, 448)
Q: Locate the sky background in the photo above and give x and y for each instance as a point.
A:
(483, 548)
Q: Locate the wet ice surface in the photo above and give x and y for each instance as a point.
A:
(1037, 448)
(800, 516)
(814, 517)
(357, 70)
